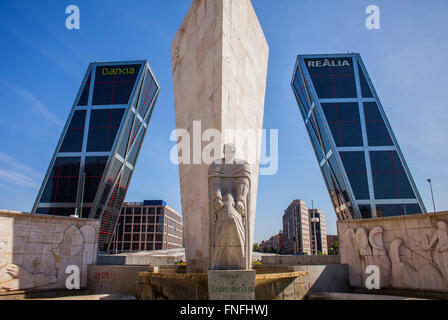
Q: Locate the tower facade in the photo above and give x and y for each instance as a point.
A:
(358, 154)
(93, 163)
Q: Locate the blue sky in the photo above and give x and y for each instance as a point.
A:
(42, 65)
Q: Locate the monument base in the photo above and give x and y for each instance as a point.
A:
(231, 284)
(190, 286)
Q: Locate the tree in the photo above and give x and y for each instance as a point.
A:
(334, 250)
(256, 247)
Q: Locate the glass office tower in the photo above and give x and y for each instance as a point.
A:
(360, 159)
(92, 166)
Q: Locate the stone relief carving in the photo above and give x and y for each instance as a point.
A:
(16, 277)
(229, 190)
(380, 257)
(89, 250)
(352, 258)
(77, 247)
(440, 238)
(68, 252)
(422, 263)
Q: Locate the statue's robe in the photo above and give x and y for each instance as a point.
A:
(227, 183)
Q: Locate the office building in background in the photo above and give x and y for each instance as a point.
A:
(358, 154)
(93, 163)
(146, 226)
(331, 239)
(296, 229)
(275, 244)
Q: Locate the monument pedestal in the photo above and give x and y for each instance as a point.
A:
(231, 284)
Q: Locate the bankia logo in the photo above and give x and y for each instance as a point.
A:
(111, 71)
(325, 63)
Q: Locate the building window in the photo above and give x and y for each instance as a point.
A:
(332, 78)
(366, 211)
(75, 133)
(389, 178)
(93, 169)
(389, 210)
(344, 122)
(104, 125)
(84, 98)
(148, 91)
(302, 92)
(64, 212)
(365, 89)
(355, 167)
(114, 84)
(376, 128)
(317, 144)
(62, 184)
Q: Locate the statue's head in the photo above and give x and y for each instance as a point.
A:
(229, 152)
(442, 225)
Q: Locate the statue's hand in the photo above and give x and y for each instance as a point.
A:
(241, 208)
(219, 204)
(13, 270)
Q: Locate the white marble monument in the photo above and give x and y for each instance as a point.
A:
(219, 61)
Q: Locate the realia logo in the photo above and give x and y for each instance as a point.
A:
(325, 63)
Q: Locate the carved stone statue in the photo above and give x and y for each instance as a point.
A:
(350, 253)
(229, 190)
(15, 277)
(440, 238)
(380, 256)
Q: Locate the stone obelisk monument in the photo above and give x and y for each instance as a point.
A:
(219, 60)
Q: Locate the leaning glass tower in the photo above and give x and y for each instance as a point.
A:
(358, 154)
(92, 166)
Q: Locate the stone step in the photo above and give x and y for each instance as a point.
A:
(104, 296)
(355, 296)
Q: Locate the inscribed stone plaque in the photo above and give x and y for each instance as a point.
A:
(231, 285)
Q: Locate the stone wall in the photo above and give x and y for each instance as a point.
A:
(36, 249)
(301, 260)
(116, 279)
(410, 251)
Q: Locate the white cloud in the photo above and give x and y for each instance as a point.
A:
(34, 102)
(14, 173)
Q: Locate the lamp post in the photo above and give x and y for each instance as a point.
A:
(432, 194)
(116, 237)
(314, 220)
(82, 193)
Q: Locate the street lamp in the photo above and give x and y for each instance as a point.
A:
(432, 194)
(315, 220)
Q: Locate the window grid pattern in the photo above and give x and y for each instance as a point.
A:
(146, 228)
(343, 95)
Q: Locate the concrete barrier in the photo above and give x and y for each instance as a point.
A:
(116, 279)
